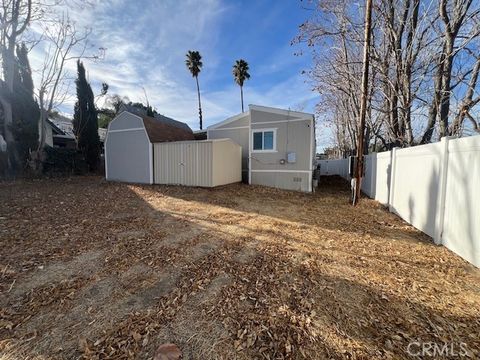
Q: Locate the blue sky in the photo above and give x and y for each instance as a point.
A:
(146, 42)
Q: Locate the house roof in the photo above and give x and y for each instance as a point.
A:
(55, 129)
(229, 120)
(268, 109)
(280, 111)
(162, 130)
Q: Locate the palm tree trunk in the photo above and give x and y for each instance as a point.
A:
(199, 104)
(241, 96)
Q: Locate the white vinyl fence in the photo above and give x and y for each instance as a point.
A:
(334, 167)
(434, 187)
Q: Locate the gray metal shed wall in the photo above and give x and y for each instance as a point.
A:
(227, 162)
(125, 121)
(197, 163)
(183, 163)
(127, 155)
(239, 136)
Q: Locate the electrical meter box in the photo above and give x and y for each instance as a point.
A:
(291, 157)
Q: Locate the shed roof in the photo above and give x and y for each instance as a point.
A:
(160, 130)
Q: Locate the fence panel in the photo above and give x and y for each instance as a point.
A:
(416, 174)
(433, 187)
(383, 167)
(368, 181)
(334, 167)
(461, 221)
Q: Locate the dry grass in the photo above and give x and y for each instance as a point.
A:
(102, 270)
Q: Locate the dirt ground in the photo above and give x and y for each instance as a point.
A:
(91, 269)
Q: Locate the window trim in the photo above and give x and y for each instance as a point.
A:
(274, 150)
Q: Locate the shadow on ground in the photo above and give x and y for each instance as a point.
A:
(105, 270)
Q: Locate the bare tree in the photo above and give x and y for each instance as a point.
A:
(63, 42)
(471, 99)
(454, 15)
(423, 72)
(337, 69)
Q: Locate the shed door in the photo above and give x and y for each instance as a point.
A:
(169, 164)
(183, 163)
(190, 161)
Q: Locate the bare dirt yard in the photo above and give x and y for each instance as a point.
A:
(97, 270)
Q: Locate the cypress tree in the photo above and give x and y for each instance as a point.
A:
(85, 120)
(25, 110)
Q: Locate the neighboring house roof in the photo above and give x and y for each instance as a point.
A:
(173, 122)
(63, 125)
(161, 130)
(131, 109)
(55, 129)
(165, 119)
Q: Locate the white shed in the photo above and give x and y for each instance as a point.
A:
(129, 145)
(205, 163)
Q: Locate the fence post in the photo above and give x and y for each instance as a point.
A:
(442, 191)
(392, 180)
(373, 175)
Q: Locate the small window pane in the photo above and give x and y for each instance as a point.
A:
(268, 140)
(257, 141)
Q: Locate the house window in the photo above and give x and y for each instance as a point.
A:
(264, 140)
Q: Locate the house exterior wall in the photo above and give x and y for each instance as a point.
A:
(128, 151)
(197, 163)
(237, 121)
(282, 180)
(294, 133)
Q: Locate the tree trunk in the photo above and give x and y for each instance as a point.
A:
(36, 163)
(445, 89)
(199, 104)
(8, 57)
(241, 96)
(433, 111)
(409, 62)
(9, 71)
(468, 102)
(363, 103)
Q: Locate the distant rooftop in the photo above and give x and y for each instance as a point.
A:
(165, 119)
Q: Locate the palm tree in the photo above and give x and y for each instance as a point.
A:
(240, 74)
(194, 64)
